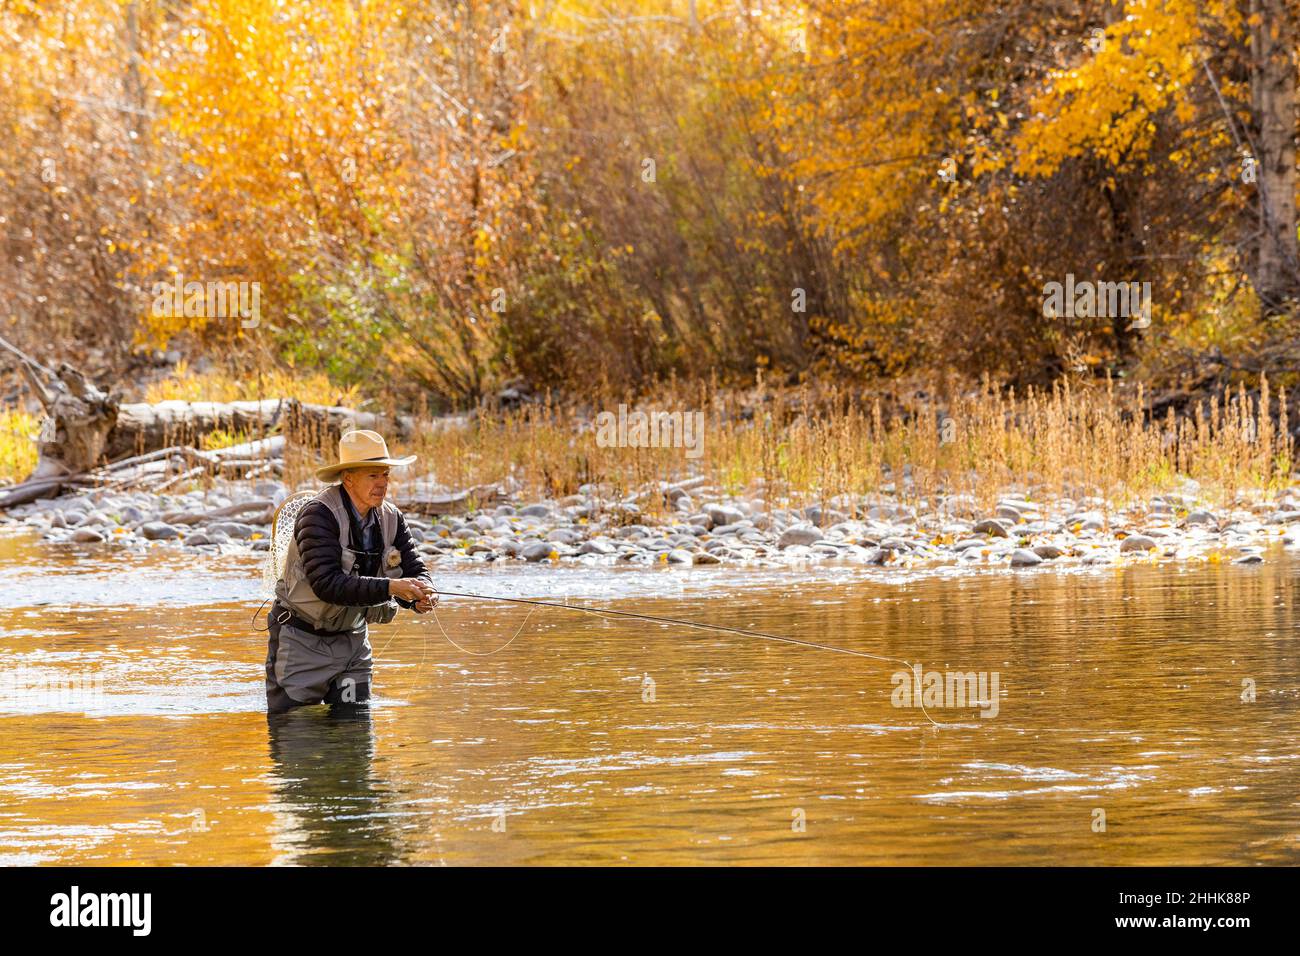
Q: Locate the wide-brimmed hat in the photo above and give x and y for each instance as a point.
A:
(361, 449)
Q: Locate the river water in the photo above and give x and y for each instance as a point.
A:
(1143, 715)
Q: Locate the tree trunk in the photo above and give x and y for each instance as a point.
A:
(1273, 90)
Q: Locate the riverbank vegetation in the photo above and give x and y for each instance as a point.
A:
(420, 207)
(806, 446)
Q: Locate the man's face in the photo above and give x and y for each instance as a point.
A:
(367, 485)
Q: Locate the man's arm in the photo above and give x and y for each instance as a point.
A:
(317, 535)
(412, 564)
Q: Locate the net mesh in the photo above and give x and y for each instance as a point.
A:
(281, 536)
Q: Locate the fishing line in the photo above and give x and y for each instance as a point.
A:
(466, 650)
(683, 623)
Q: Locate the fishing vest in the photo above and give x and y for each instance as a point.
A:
(293, 590)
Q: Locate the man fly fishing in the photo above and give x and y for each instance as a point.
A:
(350, 562)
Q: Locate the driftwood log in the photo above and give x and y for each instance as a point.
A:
(141, 427)
(90, 436)
(459, 502)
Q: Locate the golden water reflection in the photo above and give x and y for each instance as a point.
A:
(1121, 692)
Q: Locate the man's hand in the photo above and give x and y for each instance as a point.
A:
(428, 604)
(409, 589)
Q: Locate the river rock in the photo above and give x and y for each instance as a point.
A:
(990, 526)
(538, 510)
(680, 556)
(1202, 517)
(158, 531)
(131, 515)
(1048, 551)
(236, 529)
(1136, 542)
(721, 514)
(675, 494)
(87, 536)
(1024, 558)
(537, 552)
(596, 546)
(796, 537)
(1089, 521)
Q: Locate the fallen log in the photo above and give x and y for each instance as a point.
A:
(141, 427)
(90, 432)
(260, 505)
(28, 491)
(479, 496)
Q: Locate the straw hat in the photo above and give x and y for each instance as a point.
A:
(361, 449)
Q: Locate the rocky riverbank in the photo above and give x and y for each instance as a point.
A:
(698, 526)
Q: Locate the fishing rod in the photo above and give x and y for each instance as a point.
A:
(654, 619)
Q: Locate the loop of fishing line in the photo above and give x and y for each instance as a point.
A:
(466, 650)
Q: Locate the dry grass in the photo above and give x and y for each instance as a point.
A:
(804, 448)
(218, 385)
(799, 448)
